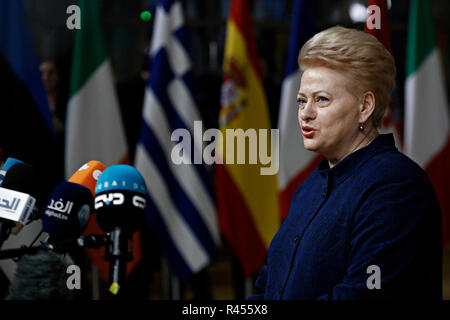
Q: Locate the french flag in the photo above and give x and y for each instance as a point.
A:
(296, 163)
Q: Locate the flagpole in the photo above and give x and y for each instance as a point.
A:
(165, 278)
(248, 287)
(171, 288)
(175, 287)
(95, 283)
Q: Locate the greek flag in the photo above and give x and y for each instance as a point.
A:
(180, 207)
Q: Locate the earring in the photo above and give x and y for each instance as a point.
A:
(361, 127)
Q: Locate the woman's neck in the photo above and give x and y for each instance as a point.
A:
(364, 141)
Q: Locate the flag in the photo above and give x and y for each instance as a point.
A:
(180, 207)
(247, 200)
(426, 106)
(296, 163)
(383, 34)
(27, 132)
(94, 129)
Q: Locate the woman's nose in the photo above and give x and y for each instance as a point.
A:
(307, 112)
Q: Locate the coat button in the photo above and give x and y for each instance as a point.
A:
(280, 289)
(296, 238)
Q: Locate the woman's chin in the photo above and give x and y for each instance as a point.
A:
(310, 145)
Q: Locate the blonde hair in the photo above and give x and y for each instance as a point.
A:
(369, 66)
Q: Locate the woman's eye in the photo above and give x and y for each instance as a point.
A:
(322, 99)
(301, 102)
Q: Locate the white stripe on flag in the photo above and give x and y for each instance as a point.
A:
(426, 113)
(293, 155)
(166, 24)
(182, 100)
(185, 175)
(184, 240)
(95, 105)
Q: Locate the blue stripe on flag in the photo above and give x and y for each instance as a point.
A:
(181, 201)
(18, 49)
(181, 34)
(302, 28)
(167, 4)
(177, 262)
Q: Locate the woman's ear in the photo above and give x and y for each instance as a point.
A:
(367, 106)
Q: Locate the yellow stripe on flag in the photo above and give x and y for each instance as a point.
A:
(247, 109)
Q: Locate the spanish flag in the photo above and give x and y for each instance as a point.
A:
(247, 200)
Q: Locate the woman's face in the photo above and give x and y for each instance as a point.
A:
(328, 113)
(49, 76)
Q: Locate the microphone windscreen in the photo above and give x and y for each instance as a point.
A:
(67, 212)
(88, 175)
(41, 276)
(121, 177)
(25, 178)
(8, 164)
(120, 199)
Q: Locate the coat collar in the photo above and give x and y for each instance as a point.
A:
(355, 160)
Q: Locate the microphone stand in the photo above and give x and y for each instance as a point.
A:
(15, 253)
(5, 230)
(93, 241)
(118, 257)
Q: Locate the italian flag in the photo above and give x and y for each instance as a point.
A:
(94, 129)
(426, 107)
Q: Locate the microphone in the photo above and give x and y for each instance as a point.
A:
(23, 177)
(67, 212)
(20, 198)
(80, 190)
(41, 275)
(8, 164)
(16, 206)
(120, 202)
(88, 175)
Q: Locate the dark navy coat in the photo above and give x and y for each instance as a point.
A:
(377, 208)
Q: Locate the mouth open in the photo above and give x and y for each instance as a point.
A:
(308, 132)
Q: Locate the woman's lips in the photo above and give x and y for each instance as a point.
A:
(307, 132)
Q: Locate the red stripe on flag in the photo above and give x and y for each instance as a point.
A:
(237, 224)
(287, 193)
(383, 34)
(241, 15)
(439, 172)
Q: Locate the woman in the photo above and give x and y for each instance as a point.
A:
(366, 223)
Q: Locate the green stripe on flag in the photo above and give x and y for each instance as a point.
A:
(89, 49)
(421, 35)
